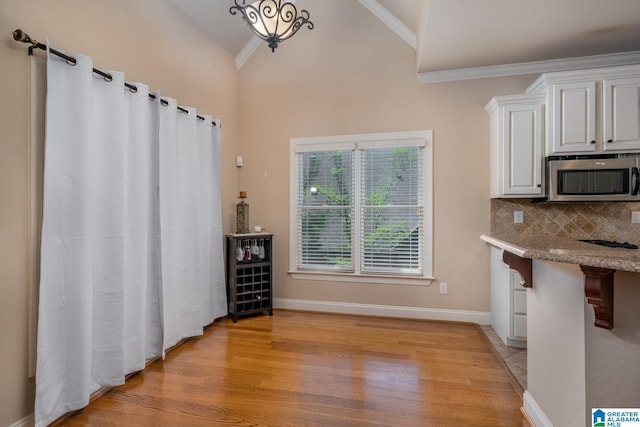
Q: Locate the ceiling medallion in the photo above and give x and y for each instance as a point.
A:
(272, 21)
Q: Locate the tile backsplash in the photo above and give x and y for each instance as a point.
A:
(606, 221)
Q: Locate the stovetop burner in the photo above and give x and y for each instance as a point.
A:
(611, 244)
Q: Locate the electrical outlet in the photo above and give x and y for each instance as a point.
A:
(444, 288)
(518, 217)
(635, 217)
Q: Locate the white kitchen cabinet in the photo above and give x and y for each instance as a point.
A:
(591, 111)
(517, 132)
(518, 308)
(621, 114)
(573, 117)
(508, 302)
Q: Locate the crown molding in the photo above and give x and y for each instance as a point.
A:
(567, 64)
(391, 21)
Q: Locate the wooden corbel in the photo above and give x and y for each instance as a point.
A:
(521, 265)
(598, 287)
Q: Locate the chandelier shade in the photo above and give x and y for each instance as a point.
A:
(272, 21)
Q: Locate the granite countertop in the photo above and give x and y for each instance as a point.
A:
(560, 249)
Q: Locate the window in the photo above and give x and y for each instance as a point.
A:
(361, 207)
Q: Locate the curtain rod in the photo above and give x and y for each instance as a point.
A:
(21, 36)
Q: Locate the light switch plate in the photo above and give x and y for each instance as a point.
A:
(444, 288)
(518, 217)
(635, 217)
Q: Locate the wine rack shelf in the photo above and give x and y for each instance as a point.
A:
(249, 274)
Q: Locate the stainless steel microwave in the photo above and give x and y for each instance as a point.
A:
(609, 177)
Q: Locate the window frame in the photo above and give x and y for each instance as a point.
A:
(341, 142)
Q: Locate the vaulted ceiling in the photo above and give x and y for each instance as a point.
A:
(457, 39)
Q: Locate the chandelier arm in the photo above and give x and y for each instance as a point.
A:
(278, 15)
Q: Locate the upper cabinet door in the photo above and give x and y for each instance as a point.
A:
(522, 139)
(621, 114)
(573, 117)
(517, 140)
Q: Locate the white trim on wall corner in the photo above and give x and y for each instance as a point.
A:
(503, 70)
(534, 412)
(391, 21)
(479, 317)
(246, 52)
(27, 421)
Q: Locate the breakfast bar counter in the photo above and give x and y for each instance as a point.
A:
(597, 263)
(583, 341)
(565, 250)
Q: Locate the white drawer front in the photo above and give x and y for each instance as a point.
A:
(519, 302)
(519, 326)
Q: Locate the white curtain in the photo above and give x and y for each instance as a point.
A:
(210, 225)
(131, 255)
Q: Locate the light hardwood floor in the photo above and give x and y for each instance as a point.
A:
(313, 369)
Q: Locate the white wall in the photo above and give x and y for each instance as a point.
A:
(555, 342)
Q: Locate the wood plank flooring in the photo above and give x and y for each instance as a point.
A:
(314, 369)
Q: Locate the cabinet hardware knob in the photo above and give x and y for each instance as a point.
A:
(593, 142)
(609, 140)
(539, 185)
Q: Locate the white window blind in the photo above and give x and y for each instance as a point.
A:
(362, 205)
(392, 213)
(325, 210)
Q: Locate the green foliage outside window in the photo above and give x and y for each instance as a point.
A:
(383, 232)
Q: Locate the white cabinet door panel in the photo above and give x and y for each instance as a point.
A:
(621, 114)
(573, 117)
(520, 302)
(517, 129)
(519, 326)
(524, 140)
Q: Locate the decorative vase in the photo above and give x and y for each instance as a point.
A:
(242, 215)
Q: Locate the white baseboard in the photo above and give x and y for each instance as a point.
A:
(27, 421)
(534, 412)
(479, 317)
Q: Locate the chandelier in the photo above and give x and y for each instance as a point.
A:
(272, 21)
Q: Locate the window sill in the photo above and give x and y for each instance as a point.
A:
(362, 278)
